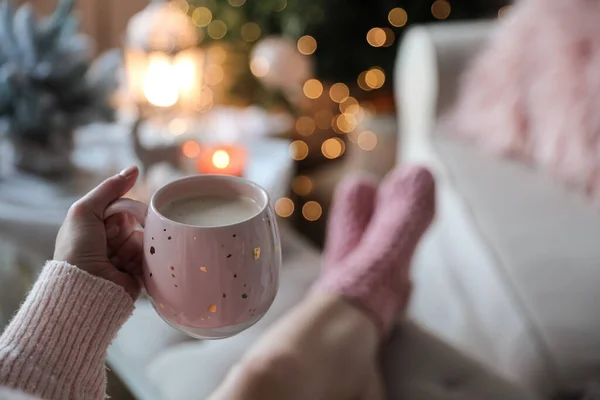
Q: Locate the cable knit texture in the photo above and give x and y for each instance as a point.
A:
(56, 344)
(372, 235)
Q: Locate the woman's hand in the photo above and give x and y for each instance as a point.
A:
(110, 249)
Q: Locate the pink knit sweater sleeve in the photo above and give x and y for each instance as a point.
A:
(55, 346)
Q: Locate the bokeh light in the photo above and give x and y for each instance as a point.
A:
(305, 126)
(213, 74)
(307, 45)
(313, 89)
(312, 211)
(333, 148)
(201, 16)
(298, 150)
(389, 37)
(367, 140)
(302, 185)
(323, 118)
(398, 17)
(339, 92)
(237, 3)
(217, 29)
(349, 104)
(178, 126)
(181, 4)
(375, 78)
(217, 54)
(280, 5)
(191, 149)
(284, 207)
(220, 159)
(441, 9)
(362, 81)
(346, 123)
(250, 31)
(376, 37)
(260, 67)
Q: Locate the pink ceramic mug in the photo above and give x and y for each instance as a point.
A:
(209, 282)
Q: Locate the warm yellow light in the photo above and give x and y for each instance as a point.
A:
(333, 148)
(237, 3)
(191, 149)
(339, 92)
(280, 5)
(201, 16)
(298, 150)
(284, 207)
(184, 71)
(346, 123)
(441, 9)
(213, 74)
(217, 55)
(353, 136)
(376, 37)
(313, 89)
(362, 82)
(389, 37)
(307, 45)
(181, 4)
(503, 11)
(398, 17)
(305, 126)
(250, 31)
(302, 185)
(259, 67)
(205, 101)
(217, 29)
(348, 104)
(375, 78)
(323, 118)
(160, 84)
(220, 159)
(178, 126)
(367, 140)
(312, 211)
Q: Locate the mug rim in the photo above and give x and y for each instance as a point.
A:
(236, 179)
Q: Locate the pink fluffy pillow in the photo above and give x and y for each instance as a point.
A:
(534, 92)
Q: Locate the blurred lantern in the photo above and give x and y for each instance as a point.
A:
(163, 63)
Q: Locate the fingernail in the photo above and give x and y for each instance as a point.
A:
(129, 171)
(112, 231)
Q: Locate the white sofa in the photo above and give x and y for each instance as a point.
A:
(510, 273)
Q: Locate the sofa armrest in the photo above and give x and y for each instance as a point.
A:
(428, 67)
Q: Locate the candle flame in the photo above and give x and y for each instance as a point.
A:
(220, 159)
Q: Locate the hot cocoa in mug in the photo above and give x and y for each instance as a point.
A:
(211, 253)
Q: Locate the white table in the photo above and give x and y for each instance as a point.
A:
(32, 209)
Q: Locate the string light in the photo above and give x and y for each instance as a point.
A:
(339, 92)
(307, 45)
(298, 150)
(302, 185)
(201, 16)
(313, 89)
(312, 211)
(217, 29)
(389, 37)
(376, 37)
(213, 74)
(284, 207)
(305, 126)
(191, 149)
(367, 140)
(323, 118)
(333, 148)
(334, 124)
(178, 126)
(398, 17)
(362, 81)
(346, 123)
(503, 11)
(441, 9)
(375, 78)
(250, 31)
(237, 3)
(259, 67)
(349, 105)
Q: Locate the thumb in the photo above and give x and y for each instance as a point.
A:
(110, 190)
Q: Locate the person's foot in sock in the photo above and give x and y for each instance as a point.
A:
(372, 235)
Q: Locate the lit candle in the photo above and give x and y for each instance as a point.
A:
(222, 160)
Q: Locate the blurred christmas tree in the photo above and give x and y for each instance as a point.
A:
(344, 37)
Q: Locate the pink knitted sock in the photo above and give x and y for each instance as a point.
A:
(372, 235)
